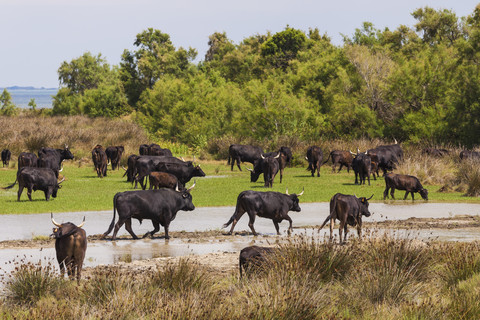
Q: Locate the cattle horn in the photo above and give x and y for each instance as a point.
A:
(358, 150)
(83, 222)
(193, 186)
(301, 193)
(176, 188)
(61, 169)
(262, 156)
(286, 192)
(395, 141)
(183, 159)
(307, 158)
(353, 154)
(277, 156)
(54, 222)
(63, 179)
(124, 168)
(251, 170)
(370, 197)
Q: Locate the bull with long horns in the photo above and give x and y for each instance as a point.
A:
(70, 247)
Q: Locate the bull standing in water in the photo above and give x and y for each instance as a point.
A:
(349, 210)
(70, 247)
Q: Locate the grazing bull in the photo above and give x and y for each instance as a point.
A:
(160, 206)
(114, 155)
(183, 171)
(34, 179)
(349, 211)
(70, 247)
(258, 165)
(252, 258)
(6, 156)
(467, 154)
(314, 158)
(271, 205)
(341, 157)
(410, 184)
(162, 180)
(362, 166)
(146, 164)
(386, 157)
(156, 150)
(131, 170)
(99, 158)
(27, 159)
(243, 153)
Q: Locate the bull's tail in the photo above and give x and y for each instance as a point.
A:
(237, 209)
(328, 158)
(113, 220)
(228, 161)
(332, 212)
(11, 186)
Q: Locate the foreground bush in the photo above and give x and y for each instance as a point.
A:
(381, 277)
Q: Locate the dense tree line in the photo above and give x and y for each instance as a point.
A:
(418, 84)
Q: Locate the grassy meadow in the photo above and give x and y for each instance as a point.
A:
(84, 191)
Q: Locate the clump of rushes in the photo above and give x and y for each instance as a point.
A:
(29, 282)
(468, 174)
(459, 261)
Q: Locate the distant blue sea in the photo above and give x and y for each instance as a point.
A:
(43, 97)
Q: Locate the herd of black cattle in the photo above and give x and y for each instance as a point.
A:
(168, 176)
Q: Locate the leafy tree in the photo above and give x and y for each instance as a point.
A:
(437, 26)
(32, 104)
(8, 108)
(283, 46)
(154, 58)
(83, 73)
(218, 46)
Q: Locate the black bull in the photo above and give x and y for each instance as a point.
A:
(70, 247)
(243, 153)
(271, 205)
(410, 184)
(160, 206)
(386, 157)
(33, 179)
(114, 155)
(253, 258)
(349, 211)
(314, 158)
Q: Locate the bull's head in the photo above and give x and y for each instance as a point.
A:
(364, 206)
(294, 197)
(57, 186)
(64, 229)
(188, 204)
(424, 194)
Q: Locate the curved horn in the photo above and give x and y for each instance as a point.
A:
(124, 168)
(61, 169)
(193, 186)
(63, 179)
(261, 155)
(358, 150)
(286, 192)
(251, 170)
(353, 154)
(370, 197)
(395, 141)
(366, 152)
(53, 221)
(301, 193)
(183, 159)
(176, 188)
(83, 222)
(307, 158)
(278, 155)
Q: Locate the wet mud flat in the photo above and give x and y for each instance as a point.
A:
(198, 235)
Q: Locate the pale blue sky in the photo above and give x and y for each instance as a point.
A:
(38, 35)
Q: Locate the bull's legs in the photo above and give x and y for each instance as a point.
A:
(238, 164)
(332, 224)
(385, 193)
(128, 226)
(281, 175)
(19, 193)
(318, 169)
(251, 222)
(277, 227)
(237, 215)
(359, 228)
(340, 168)
(345, 232)
(156, 228)
(392, 193)
(166, 226)
(29, 193)
(290, 227)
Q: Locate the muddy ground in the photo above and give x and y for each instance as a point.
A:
(227, 262)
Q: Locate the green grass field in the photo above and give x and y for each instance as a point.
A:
(84, 191)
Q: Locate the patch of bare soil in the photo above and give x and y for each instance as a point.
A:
(456, 222)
